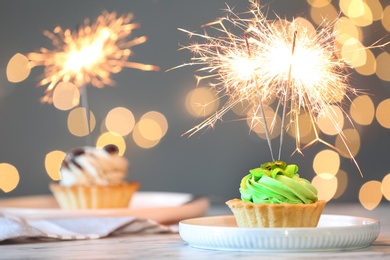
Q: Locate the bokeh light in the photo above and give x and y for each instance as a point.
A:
(120, 120)
(349, 147)
(201, 102)
(326, 161)
(241, 108)
(382, 66)
(382, 113)
(77, 122)
(386, 18)
(370, 194)
(346, 30)
(376, 9)
(360, 13)
(321, 15)
(305, 128)
(362, 110)
(353, 52)
(112, 138)
(66, 96)
(53, 161)
(306, 26)
(256, 125)
(326, 185)
(18, 68)
(9, 177)
(331, 125)
(319, 3)
(386, 187)
(159, 123)
(342, 183)
(369, 67)
(142, 141)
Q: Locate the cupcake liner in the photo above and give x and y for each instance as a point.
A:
(94, 197)
(248, 214)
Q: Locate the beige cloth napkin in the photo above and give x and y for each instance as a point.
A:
(13, 227)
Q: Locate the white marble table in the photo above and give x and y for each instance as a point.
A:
(171, 246)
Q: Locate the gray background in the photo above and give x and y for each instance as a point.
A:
(211, 163)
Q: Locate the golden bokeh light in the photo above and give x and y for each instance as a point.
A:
(112, 138)
(376, 9)
(386, 18)
(159, 118)
(241, 108)
(382, 113)
(382, 66)
(141, 141)
(150, 129)
(66, 96)
(53, 161)
(352, 140)
(321, 15)
(201, 102)
(352, 8)
(360, 14)
(326, 161)
(362, 110)
(370, 194)
(120, 120)
(346, 29)
(256, 125)
(77, 122)
(305, 128)
(9, 177)
(369, 67)
(353, 52)
(326, 185)
(18, 68)
(342, 183)
(331, 125)
(319, 3)
(386, 186)
(307, 29)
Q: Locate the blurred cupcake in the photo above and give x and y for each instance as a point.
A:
(275, 196)
(93, 178)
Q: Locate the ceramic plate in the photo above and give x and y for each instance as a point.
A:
(171, 207)
(334, 232)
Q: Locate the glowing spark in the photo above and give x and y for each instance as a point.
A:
(88, 55)
(257, 60)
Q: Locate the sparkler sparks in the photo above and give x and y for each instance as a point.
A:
(88, 55)
(257, 60)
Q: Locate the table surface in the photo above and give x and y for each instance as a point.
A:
(171, 246)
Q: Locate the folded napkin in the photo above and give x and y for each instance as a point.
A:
(13, 227)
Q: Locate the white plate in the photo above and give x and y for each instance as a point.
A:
(334, 232)
(163, 207)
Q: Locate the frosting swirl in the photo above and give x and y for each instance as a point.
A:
(92, 166)
(276, 183)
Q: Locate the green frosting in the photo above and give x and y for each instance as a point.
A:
(276, 182)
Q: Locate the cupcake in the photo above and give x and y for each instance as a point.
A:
(93, 178)
(275, 196)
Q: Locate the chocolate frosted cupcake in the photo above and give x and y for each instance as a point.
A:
(275, 196)
(93, 178)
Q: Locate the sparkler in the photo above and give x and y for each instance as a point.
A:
(90, 54)
(257, 60)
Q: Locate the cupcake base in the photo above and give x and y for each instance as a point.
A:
(94, 197)
(253, 215)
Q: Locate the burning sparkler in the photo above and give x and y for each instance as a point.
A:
(257, 60)
(88, 55)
